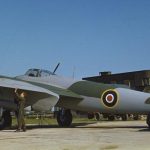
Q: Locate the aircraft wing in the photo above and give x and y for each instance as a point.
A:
(40, 96)
(35, 94)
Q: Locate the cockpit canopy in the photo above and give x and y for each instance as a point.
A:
(38, 73)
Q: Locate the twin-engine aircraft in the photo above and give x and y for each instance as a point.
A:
(45, 90)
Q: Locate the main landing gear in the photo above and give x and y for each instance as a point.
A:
(5, 119)
(64, 117)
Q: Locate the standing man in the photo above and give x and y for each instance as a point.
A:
(21, 98)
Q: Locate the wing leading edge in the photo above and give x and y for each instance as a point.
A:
(35, 95)
(41, 96)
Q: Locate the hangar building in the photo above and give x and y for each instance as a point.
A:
(137, 80)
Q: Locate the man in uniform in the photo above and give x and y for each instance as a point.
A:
(21, 98)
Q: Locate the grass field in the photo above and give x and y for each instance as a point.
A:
(51, 121)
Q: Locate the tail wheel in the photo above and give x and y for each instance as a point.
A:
(64, 118)
(5, 120)
(148, 120)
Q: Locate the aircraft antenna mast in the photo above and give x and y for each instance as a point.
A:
(56, 68)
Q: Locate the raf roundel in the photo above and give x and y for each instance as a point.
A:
(110, 98)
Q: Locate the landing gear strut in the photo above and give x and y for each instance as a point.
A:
(5, 119)
(64, 118)
(148, 120)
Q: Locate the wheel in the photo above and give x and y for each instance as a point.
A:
(148, 120)
(90, 115)
(97, 116)
(124, 117)
(111, 118)
(5, 120)
(64, 118)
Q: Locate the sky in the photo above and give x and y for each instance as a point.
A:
(85, 36)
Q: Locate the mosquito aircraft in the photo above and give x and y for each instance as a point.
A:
(45, 89)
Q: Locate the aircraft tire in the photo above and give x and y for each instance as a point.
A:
(148, 120)
(90, 115)
(5, 120)
(64, 118)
